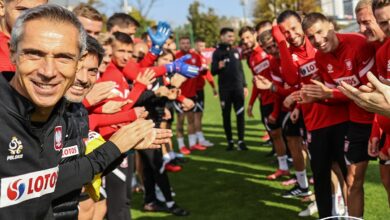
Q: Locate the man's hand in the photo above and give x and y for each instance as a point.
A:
(140, 112)
(304, 98)
(215, 93)
(163, 136)
(249, 111)
(221, 64)
(262, 83)
(294, 116)
(271, 119)
(173, 93)
(112, 107)
(289, 101)
(317, 90)
(187, 104)
(179, 66)
(246, 92)
(167, 114)
(129, 136)
(373, 97)
(177, 80)
(159, 37)
(100, 91)
(162, 91)
(147, 77)
(373, 147)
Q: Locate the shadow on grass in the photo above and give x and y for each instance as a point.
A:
(227, 188)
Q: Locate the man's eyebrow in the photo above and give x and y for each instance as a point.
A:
(42, 53)
(34, 51)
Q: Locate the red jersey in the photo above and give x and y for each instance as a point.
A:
(259, 62)
(349, 62)
(132, 68)
(383, 70)
(188, 88)
(5, 57)
(204, 74)
(299, 66)
(113, 73)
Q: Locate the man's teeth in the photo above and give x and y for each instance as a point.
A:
(44, 86)
(78, 87)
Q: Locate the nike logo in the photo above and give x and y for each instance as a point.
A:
(365, 62)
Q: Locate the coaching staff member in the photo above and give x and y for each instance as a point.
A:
(47, 44)
(226, 63)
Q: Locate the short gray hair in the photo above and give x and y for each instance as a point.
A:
(50, 12)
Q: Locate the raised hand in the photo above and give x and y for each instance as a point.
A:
(112, 107)
(100, 91)
(146, 77)
(159, 37)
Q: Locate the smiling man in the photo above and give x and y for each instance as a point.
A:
(345, 58)
(47, 45)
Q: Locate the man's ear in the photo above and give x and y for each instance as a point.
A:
(2, 8)
(13, 54)
(80, 62)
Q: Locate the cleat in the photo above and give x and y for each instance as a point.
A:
(184, 150)
(198, 147)
(297, 191)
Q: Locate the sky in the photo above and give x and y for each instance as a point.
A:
(175, 11)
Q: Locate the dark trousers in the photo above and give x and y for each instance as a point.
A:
(152, 162)
(117, 186)
(235, 98)
(326, 146)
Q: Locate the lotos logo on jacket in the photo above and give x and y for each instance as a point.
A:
(17, 189)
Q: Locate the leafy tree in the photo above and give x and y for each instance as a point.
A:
(269, 9)
(204, 24)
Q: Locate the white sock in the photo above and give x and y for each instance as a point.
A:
(167, 157)
(302, 179)
(192, 139)
(170, 204)
(200, 136)
(172, 155)
(335, 210)
(180, 142)
(283, 162)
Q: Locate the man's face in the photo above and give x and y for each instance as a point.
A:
(322, 36)
(46, 61)
(264, 28)
(129, 29)
(292, 30)
(106, 59)
(86, 77)
(228, 38)
(163, 60)
(382, 16)
(140, 50)
(271, 47)
(248, 39)
(14, 8)
(200, 46)
(185, 45)
(93, 28)
(121, 53)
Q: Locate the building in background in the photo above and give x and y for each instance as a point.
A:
(339, 9)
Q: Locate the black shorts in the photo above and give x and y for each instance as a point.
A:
(179, 108)
(265, 111)
(356, 145)
(170, 106)
(382, 142)
(289, 128)
(199, 101)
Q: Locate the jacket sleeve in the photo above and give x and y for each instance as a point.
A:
(214, 63)
(290, 71)
(74, 174)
